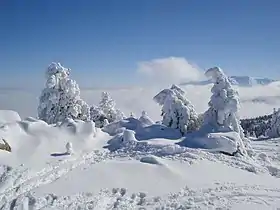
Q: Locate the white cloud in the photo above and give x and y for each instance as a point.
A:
(169, 70)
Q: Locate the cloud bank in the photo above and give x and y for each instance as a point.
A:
(169, 70)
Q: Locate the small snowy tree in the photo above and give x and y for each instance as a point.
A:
(107, 106)
(145, 119)
(274, 129)
(69, 148)
(97, 116)
(177, 111)
(224, 104)
(60, 99)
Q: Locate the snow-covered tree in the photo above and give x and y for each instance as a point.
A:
(97, 116)
(105, 110)
(132, 115)
(274, 128)
(224, 104)
(177, 111)
(60, 99)
(145, 119)
(107, 106)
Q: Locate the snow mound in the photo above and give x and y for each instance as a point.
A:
(157, 131)
(31, 124)
(78, 126)
(151, 160)
(143, 129)
(119, 126)
(34, 141)
(8, 116)
(224, 142)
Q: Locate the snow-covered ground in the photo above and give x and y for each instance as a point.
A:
(154, 173)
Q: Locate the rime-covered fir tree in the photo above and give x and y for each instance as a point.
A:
(177, 111)
(274, 128)
(60, 99)
(145, 119)
(224, 104)
(107, 107)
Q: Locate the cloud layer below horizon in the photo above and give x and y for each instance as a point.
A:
(169, 70)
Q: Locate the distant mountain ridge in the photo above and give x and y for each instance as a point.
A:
(245, 81)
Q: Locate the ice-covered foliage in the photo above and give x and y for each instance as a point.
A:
(274, 128)
(60, 99)
(223, 112)
(107, 107)
(177, 111)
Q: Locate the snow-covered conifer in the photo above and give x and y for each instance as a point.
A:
(177, 111)
(274, 128)
(60, 99)
(224, 104)
(107, 106)
(145, 119)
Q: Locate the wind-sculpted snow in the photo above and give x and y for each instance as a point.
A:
(18, 192)
(217, 194)
(19, 185)
(133, 169)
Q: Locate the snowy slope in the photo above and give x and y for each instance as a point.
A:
(143, 173)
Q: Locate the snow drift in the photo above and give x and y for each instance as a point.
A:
(8, 116)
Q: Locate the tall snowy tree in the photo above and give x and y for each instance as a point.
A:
(274, 128)
(224, 104)
(60, 99)
(177, 111)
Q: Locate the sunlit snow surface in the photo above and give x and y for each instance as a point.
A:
(144, 169)
(150, 173)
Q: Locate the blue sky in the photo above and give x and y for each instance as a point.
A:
(104, 40)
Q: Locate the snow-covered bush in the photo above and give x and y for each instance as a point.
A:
(177, 111)
(223, 112)
(274, 128)
(60, 99)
